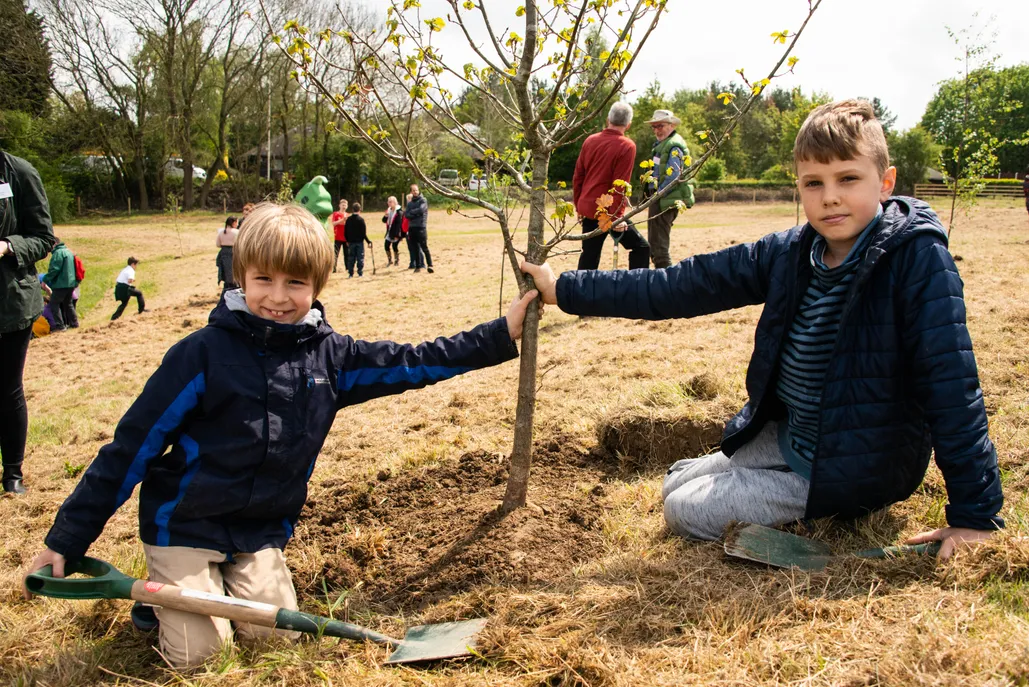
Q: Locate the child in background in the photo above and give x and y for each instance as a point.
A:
(356, 234)
(125, 288)
(338, 221)
(224, 240)
(225, 434)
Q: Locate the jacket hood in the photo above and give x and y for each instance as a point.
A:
(904, 218)
(233, 314)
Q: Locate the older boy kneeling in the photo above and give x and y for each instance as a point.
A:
(862, 366)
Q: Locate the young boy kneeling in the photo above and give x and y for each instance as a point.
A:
(862, 364)
(225, 434)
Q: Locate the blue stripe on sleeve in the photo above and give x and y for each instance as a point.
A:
(348, 379)
(164, 513)
(187, 400)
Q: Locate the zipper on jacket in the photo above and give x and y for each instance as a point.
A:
(792, 307)
(869, 263)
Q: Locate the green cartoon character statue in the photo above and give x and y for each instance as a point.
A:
(315, 197)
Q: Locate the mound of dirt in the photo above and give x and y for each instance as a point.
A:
(682, 420)
(648, 440)
(431, 533)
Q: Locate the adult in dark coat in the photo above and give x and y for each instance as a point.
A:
(417, 214)
(26, 236)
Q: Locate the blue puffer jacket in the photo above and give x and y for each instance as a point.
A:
(902, 379)
(225, 434)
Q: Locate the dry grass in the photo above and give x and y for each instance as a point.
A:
(640, 609)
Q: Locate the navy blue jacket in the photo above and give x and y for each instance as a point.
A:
(225, 434)
(902, 379)
(417, 212)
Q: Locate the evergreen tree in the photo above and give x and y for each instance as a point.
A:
(24, 60)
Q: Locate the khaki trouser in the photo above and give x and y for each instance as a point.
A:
(659, 234)
(188, 639)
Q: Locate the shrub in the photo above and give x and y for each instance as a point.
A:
(713, 170)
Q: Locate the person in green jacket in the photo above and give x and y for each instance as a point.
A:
(669, 157)
(26, 236)
(60, 277)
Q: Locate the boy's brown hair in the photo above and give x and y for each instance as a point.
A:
(841, 131)
(283, 238)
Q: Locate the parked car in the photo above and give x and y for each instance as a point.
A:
(477, 182)
(173, 170)
(449, 177)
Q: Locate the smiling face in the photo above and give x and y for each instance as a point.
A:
(842, 196)
(662, 129)
(278, 296)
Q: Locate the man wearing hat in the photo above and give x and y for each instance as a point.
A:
(668, 154)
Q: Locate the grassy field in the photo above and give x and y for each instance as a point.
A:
(583, 587)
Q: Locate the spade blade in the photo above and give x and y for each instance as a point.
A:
(434, 642)
(779, 549)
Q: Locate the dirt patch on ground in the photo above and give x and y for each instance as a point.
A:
(426, 535)
(673, 420)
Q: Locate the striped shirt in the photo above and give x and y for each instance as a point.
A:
(809, 347)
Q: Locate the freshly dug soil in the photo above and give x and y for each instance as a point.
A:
(428, 534)
(647, 440)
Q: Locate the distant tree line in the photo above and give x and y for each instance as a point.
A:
(101, 94)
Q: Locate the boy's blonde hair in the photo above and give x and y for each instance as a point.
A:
(283, 238)
(841, 131)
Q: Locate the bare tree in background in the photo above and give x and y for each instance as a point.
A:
(107, 71)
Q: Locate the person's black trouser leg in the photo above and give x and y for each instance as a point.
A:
(359, 258)
(59, 300)
(589, 258)
(639, 250)
(421, 239)
(121, 307)
(411, 248)
(659, 234)
(335, 261)
(71, 318)
(14, 416)
(133, 291)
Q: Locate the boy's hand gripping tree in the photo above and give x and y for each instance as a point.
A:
(544, 83)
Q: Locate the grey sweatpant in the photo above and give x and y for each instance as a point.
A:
(703, 495)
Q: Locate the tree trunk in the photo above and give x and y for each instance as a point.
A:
(140, 170)
(221, 160)
(521, 451)
(187, 158)
(285, 130)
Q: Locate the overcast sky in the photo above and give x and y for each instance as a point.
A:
(897, 50)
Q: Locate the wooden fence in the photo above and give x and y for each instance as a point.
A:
(990, 191)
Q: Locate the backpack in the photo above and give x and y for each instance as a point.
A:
(80, 269)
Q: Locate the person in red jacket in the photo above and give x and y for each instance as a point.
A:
(339, 219)
(606, 158)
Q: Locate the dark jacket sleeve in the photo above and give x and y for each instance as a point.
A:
(34, 236)
(151, 424)
(730, 278)
(370, 369)
(945, 381)
(55, 267)
(417, 211)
